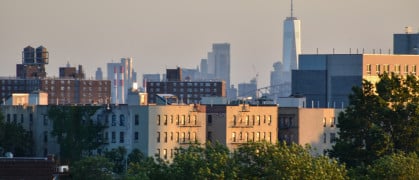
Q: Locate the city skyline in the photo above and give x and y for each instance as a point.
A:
(160, 35)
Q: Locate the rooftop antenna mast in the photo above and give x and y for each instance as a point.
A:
(292, 8)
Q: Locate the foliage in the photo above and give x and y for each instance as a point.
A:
(93, 167)
(75, 131)
(379, 120)
(117, 157)
(395, 166)
(280, 161)
(197, 162)
(250, 161)
(14, 138)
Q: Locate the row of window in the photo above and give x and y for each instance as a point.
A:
(287, 122)
(180, 120)
(90, 83)
(332, 122)
(189, 90)
(255, 120)
(208, 84)
(9, 118)
(180, 137)
(164, 153)
(243, 137)
(380, 68)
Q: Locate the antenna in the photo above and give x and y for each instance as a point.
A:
(292, 9)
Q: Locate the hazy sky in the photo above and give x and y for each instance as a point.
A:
(162, 34)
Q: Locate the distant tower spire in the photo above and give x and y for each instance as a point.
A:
(292, 8)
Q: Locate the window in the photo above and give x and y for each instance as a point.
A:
(121, 120)
(136, 136)
(369, 69)
(183, 137)
(209, 119)
(258, 136)
(324, 122)
(158, 153)
(209, 136)
(136, 120)
(414, 69)
(171, 136)
(15, 118)
(21, 118)
(158, 137)
(331, 121)
(406, 69)
(165, 120)
(377, 69)
(269, 119)
(165, 153)
(158, 120)
(45, 120)
(258, 120)
(113, 120)
(386, 68)
(113, 137)
(324, 138)
(177, 137)
(121, 137)
(270, 137)
(171, 153)
(8, 118)
(182, 120)
(233, 136)
(332, 137)
(397, 68)
(45, 136)
(234, 120)
(165, 137)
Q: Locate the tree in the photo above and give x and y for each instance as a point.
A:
(117, 157)
(280, 161)
(395, 166)
(14, 138)
(93, 167)
(75, 130)
(379, 120)
(209, 162)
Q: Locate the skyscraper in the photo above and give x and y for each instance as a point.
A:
(291, 50)
(122, 76)
(222, 62)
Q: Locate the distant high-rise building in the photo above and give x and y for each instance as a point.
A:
(99, 74)
(122, 76)
(222, 62)
(291, 42)
(290, 52)
(248, 89)
(407, 43)
(204, 68)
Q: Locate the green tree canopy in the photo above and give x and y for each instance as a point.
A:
(14, 138)
(75, 130)
(379, 120)
(395, 166)
(93, 167)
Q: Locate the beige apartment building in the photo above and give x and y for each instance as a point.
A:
(233, 125)
(163, 129)
(309, 126)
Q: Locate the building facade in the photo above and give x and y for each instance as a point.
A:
(407, 43)
(326, 80)
(309, 126)
(233, 125)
